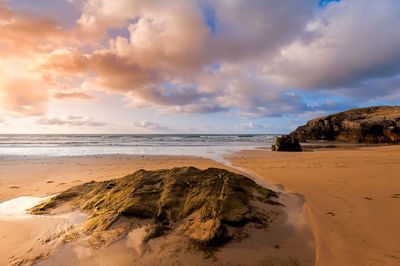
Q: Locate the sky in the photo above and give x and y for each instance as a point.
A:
(192, 66)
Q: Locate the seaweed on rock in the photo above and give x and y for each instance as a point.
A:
(202, 204)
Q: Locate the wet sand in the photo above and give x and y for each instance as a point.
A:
(40, 177)
(352, 199)
(289, 238)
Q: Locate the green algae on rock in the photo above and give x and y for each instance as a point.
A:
(209, 206)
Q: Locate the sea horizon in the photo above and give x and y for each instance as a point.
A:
(213, 146)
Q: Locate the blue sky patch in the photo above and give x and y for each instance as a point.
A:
(210, 19)
(323, 3)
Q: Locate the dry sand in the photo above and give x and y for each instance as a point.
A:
(46, 176)
(352, 199)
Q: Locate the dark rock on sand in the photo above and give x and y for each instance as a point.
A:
(380, 124)
(286, 143)
(207, 206)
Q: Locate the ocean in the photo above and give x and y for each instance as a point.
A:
(204, 145)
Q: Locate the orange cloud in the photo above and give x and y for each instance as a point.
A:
(23, 97)
(72, 95)
(22, 34)
(27, 40)
(118, 73)
(66, 62)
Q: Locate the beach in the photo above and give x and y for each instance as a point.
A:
(351, 199)
(261, 132)
(350, 195)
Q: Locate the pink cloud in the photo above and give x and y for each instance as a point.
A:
(150, 125)
(70, 121)
(66, 62)
(72, 95)
(23, 97)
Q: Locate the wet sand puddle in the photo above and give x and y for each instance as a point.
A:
(36, 237)
(17, 209)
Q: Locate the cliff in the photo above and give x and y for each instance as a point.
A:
(380, 124)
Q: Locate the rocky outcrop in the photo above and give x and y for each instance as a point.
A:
(380, 124)
(286, 143)
(208, 206)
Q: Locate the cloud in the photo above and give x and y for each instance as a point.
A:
(23, 97)
(331, 104)
(160, 64)
(241, 27)
(24, 33)
(25, 40)
(72, 95)
(192, 109)
(65, 61)
(161, 49)
(160, 40)
(351, 42)
(373, 89)
(174, 57)
(150, 125)
(253, 126)
(70, 121)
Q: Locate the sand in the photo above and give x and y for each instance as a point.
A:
(352, 196)
(288, 239)
(352, 199)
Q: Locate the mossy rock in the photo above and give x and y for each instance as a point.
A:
(199, 203)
